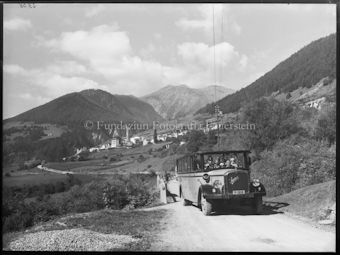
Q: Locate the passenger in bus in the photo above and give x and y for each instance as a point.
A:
(197, 163)
(227, 163)
(217, 163)
(232, 162)
(222, 162)
(209, 163)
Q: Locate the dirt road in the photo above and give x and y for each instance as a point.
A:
(236, 229)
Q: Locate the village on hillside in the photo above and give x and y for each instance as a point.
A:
(137, 140)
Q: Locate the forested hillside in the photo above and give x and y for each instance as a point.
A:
(303, 69)
(73, 110)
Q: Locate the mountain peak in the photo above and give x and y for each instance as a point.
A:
(175, 101)
(184, 86)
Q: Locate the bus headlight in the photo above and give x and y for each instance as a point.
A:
(217, 185)
(206, 177)
(256, 182)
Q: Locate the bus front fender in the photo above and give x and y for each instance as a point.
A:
(206, 189)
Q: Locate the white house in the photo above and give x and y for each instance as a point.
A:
(80, 150)
(135, 139)
(94, 149)
(162, 137)
(316, 103)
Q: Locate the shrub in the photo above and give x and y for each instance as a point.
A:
(295, 163)
(82, 198)
(152, 172)
(326, 125)
(126, 192)
(60, 187)
(141, 159)
(7, 174)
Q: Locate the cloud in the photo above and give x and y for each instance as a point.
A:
(54, 80)
(243, 62)
(157, 36)
(17, 24)
(102, 42)
(148, 51)
(14, 69)
(108, 51)
(236, 28)
(197, 67)
(93, 11)
(211, 17)
(37, 99)
(253, 77)
(67, 68)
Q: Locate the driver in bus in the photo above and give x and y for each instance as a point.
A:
(227, 163)
(232, 162)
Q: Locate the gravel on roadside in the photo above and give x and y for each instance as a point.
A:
(69, 240)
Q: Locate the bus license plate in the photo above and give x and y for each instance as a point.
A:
(236, 192)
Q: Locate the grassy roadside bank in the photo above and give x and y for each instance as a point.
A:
(310, 204)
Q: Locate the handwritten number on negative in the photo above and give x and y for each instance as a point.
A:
(25, 5)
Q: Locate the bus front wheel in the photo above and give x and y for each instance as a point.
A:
(205, 206)
(257, 205)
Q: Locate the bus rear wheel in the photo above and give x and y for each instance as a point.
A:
(205, 206)
(184, 201)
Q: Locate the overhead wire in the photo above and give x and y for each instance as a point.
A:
(222, 40)
(214, 49)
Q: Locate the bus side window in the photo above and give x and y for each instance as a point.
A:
(193, 163)
(189, 164)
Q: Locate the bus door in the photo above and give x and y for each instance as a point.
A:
(190, 178)
(198, 177)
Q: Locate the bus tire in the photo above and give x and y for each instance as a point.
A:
(184, 202)
(206, 206)
(257, 205)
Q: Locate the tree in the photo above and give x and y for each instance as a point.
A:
(212, 138)
(273, 121)
(197, 139)
(326, 126)
(155, 136)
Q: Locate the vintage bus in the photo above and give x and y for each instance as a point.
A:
(213, 178)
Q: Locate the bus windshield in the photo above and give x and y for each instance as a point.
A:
(224, 160)
(211, 161)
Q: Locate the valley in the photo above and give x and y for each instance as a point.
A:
(54, 164)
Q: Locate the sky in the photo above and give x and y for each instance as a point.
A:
(50, 50)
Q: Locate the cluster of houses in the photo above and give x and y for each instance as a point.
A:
(317, 104)
(118, 141)
(127, 142)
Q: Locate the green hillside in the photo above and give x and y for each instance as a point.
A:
(303, 69)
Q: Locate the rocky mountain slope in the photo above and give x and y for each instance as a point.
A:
(177, 101)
